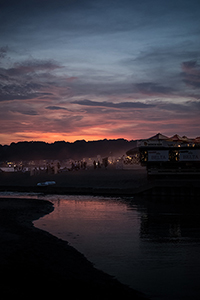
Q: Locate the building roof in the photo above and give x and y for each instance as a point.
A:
(158, 136)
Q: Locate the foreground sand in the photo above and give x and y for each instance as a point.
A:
(34, 263)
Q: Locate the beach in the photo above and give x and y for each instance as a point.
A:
(32, 260)
(35, 263)
(102, 181)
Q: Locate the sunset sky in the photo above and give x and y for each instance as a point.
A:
(83, 69)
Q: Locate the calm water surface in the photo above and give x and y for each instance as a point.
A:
(154, 248)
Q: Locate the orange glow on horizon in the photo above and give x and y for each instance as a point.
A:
(53, 137)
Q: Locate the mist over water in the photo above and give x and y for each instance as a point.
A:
(152, 247)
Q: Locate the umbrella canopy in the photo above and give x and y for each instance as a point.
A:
(158, 137)
(178, 138)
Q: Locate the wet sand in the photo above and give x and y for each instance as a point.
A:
(34, 263)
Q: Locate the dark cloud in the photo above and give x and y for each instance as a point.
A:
(56, 108)
(3, 51)
(151, 88)
(180, 108)
(191, 73)
(17, 108)
(163, 55)
(83, 17)
(29, 113)
(4, 97)
(31, 66)
(87, 16)
(122, 105)
(28, 80)
(19, 91)
(162, 64)
(37, 65)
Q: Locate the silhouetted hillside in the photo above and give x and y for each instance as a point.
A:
(64, 150)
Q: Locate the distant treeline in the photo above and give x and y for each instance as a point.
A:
(64, 150)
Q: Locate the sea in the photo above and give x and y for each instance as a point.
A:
(152, 246)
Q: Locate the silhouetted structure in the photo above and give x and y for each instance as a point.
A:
(168, 156)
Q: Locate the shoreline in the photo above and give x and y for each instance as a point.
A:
(34, 261)
(110, 182)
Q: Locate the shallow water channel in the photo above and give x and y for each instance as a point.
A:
(153, 247)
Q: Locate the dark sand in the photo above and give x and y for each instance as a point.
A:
(93, 182)
(103, 182)
(34, 263)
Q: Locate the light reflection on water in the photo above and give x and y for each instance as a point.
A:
(152, 247)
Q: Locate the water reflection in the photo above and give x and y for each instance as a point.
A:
(151, 246)
(170, 222)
